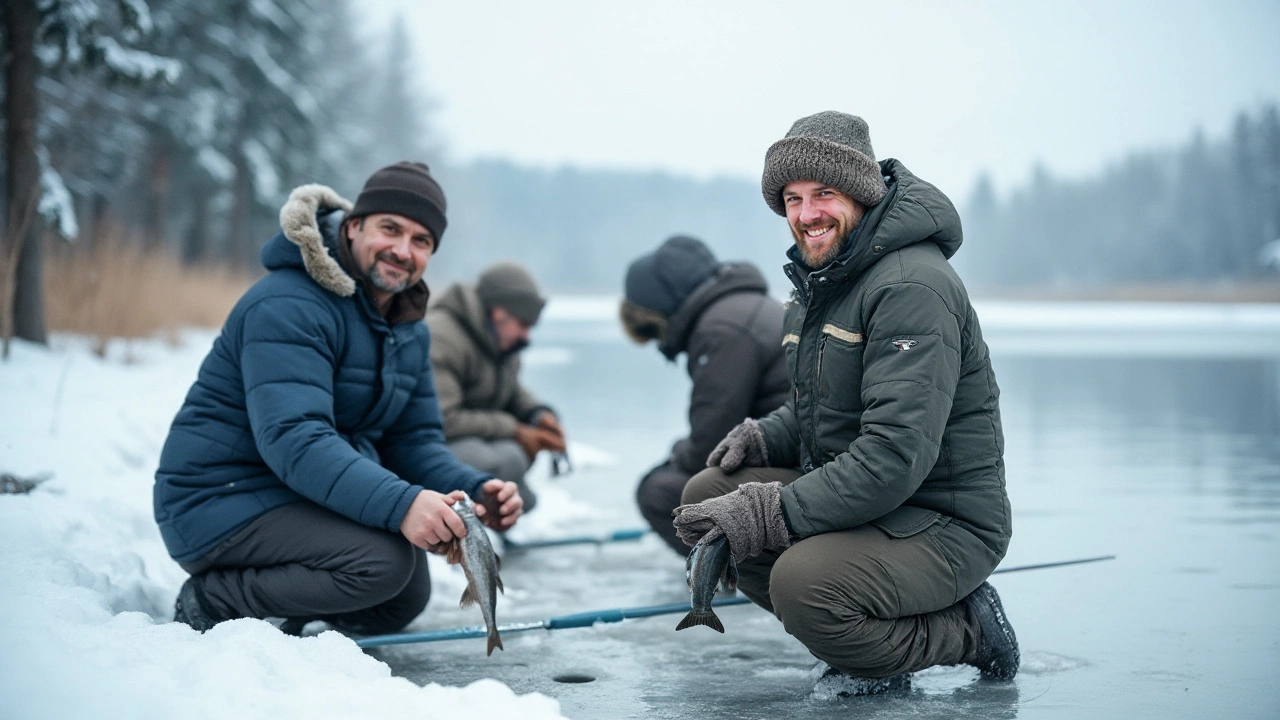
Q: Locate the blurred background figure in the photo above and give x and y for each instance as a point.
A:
(720, 314)
(477, 332)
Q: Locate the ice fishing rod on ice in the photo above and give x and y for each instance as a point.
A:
(615, 536)
(615, 615)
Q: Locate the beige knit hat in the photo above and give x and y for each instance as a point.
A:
(832, 148)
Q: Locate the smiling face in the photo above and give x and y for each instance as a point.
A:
(390, 251)
(821, 217)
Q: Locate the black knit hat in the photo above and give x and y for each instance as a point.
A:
(832, 148)
(406, 189)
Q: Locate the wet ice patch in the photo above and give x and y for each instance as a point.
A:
(831, 684)
(943, 679)
(1045, 663)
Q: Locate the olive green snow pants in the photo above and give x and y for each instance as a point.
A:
(860, 600)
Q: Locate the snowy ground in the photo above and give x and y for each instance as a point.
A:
(1140, 430)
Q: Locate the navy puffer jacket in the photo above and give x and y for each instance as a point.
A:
(308, 393)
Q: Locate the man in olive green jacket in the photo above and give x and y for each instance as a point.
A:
(868, 511)
(491, 422)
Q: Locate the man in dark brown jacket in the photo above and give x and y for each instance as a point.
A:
(491, 421)
(868, 511)
(720, 314)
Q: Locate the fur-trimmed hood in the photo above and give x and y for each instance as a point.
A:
(310, 219)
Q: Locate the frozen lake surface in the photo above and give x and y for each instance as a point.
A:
(1147, 431)
(1146, 437)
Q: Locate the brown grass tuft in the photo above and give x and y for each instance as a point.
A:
(117, 289)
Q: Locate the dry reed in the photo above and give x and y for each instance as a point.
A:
(117, 289)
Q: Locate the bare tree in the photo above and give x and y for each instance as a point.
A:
(21, 308)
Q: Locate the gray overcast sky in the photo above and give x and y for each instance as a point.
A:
(949, 88)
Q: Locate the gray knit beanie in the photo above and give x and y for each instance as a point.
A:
(509, 286)
(832, 148)
(408, 190)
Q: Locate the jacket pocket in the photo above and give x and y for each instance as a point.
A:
(906, 520)
(840, 358)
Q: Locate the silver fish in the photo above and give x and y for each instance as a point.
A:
(480, 563)
(709, 566)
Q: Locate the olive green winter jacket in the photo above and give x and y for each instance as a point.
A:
(478, 385)
(894, 416)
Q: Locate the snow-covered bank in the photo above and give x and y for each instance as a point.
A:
(86, 588)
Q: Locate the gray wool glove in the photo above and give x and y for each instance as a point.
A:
(742, 447)
(749, 517)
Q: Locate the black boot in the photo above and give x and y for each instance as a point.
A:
(192, 608)
(833, 683)
(997, 656)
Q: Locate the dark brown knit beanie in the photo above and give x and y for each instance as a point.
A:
(406, 189)
(509, 286)
(832, 148)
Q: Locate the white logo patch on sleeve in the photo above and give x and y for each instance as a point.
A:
(905, 344)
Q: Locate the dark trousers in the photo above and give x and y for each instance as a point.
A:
(304, 561)
(657, 495)
(860, 600)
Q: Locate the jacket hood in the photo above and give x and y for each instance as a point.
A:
(728, 279)
(662, 280)
(463, 304)
(309, 224)
(913, 211)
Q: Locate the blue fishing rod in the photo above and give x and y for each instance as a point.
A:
(615, 536)
(614, 615)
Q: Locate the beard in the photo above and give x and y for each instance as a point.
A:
(384, 283)
(817, 258)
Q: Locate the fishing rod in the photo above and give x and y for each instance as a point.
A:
(613, 615)
(615, 536)
(576, 620)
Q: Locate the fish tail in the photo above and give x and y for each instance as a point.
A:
(696, 617)
(495, 641)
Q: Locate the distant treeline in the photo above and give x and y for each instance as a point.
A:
(1201, 213)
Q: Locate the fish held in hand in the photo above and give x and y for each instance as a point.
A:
(709, 566)
(480, 564)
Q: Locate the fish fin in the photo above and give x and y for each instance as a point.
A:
(730, 580)
(498, 581)
(453, 552)
(468, 597)
(708, 619)
(495, 641)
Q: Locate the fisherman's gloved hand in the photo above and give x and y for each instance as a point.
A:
(534, 439)
(742, 447)
(749, 517)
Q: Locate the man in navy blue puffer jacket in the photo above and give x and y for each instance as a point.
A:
(307, 468)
